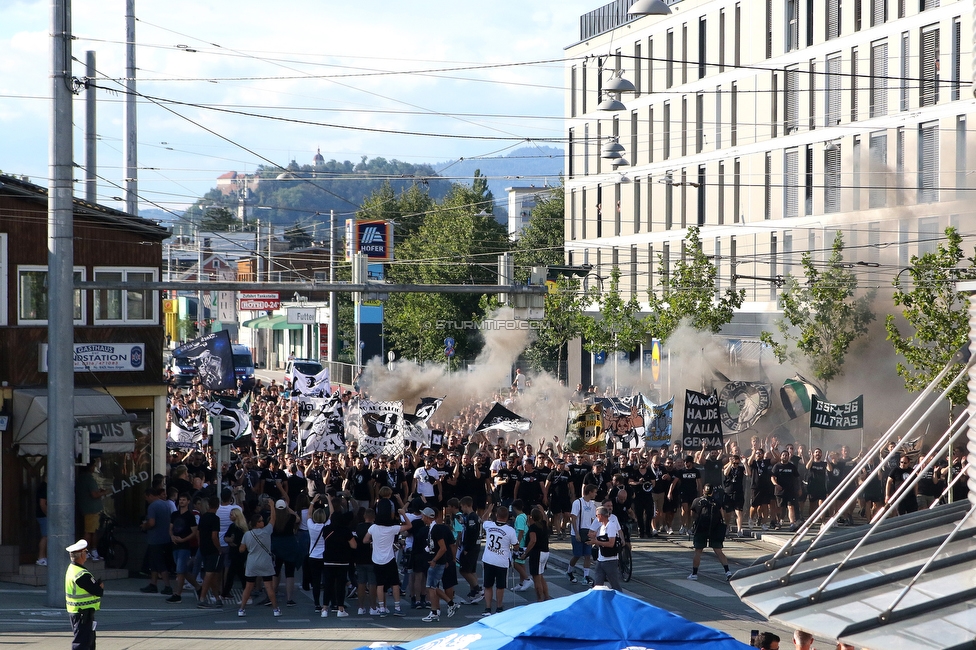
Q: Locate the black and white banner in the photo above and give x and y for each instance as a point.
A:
(213, 358)
(234, 415)
(416, 427)
(741, 404)
(837, 417)
(624, 421)
(316, 385)
(323, 429)
(184, 433)
(378, 426)
(702, 423)
(500, 418)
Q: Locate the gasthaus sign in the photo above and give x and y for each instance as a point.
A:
(103, 357)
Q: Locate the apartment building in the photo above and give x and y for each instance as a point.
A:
(771, 124)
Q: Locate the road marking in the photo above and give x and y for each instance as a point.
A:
(385, 627)
(226, 622)
(700, 589)
(293, 620)
(167, 623)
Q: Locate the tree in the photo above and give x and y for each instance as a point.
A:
(298, 237)
(688, 292)
(218, 220)
(541, 241)
(823, 317)
(563, 322)
(619, 327)
(937, 315)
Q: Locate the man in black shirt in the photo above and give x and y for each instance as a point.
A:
(733, 482)
(685, 488)
(896, 478)
(530, 484)
(599, 477)
(209, 530)
(469, 543)
(505, 481)
(183, 533)
(559, 488)
(786, 486)
(579, 470)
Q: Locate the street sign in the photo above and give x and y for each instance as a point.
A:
(301, 315)
(265, 301)
(449, 352)
(448, 342)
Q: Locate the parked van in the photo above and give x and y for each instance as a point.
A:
(243, 364)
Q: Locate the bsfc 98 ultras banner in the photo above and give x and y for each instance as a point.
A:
(838, 417)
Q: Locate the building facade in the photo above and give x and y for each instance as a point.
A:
(771, 124)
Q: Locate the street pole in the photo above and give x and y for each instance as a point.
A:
(129, 144)
(60, 326)
(91, 183)
(333, 333)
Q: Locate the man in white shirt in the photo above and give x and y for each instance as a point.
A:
(605, 539)
(499, 540)
(581, 519)
(424, 481)
(384, 559)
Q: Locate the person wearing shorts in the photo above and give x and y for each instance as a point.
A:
(440, 550)
(709, 531)
(500, 538)
(257, 543)
(365, 571)
(581, 518)
(537, 550)
(384, 560)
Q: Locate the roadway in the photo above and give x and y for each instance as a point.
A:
(130, 619)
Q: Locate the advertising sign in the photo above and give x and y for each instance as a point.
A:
(301, 315)
(374, 239)
(323, 341)
(266, 301)
(103, 357)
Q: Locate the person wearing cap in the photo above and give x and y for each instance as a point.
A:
(82, 596)
(598, 477)
(441, 573)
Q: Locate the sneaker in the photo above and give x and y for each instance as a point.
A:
(318, 609)
(693, 576)
(572, 578)
(765, 527)
(499, 609)
(240, 613)
(384, 612)
(452, 609)
(398, 612)
(325, 612)
(588, 581)
(416, 605)
(487, 612)
(291, 603)
(174, 599)
(432, 617)
(728, 575)
(41, 562)
(373, 611)
(361, 612)
(150, 589)
(166, 591)
(477, 598)
(342, 614)
(525, 586)
(276, 611)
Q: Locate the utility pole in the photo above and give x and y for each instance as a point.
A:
(91, 183)
(129, 144)
(333, 334)
(60, 328)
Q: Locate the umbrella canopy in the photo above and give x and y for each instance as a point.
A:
(598, 619)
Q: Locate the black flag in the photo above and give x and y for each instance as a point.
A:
(824, 415)
(502, 419)
(702, 423)
(213, 358)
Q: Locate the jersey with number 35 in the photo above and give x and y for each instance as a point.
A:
(498, 544)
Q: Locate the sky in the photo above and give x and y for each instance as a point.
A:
(229, 86)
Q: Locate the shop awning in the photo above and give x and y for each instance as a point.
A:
(30, 420)
(273, 323)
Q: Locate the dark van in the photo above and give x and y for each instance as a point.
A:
(184, 371)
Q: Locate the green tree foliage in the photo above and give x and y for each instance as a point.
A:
(455, 244)
(541, 241)
(298, 237)
(407, 209)
(564, 321)
(937, 315)
(218, 220)
(688, 292)
(823, 317)
(619, 326)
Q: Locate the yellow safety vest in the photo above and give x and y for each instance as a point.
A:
(75, 597)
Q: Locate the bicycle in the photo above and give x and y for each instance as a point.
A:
(111, 550)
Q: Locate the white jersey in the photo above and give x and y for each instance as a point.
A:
(585, 513)
(499, 541)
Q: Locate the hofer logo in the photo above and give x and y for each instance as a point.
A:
(374, 239)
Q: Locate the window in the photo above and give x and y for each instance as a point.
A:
(701, 195)
(32, 305)
(599, 211)
(666, 132)
(669, 59)
(832, 178)
(583, 212)
(873, 253)
(879, 79)
(879, 12)
(878, 160)
(768, 186)
(702, 46)
(583, 86)
(792, 25)
(928, 162)
(738, 34)
(597, 145)
(856, 174)
(736, 190)
(787, 252)
(961, 172)
(791, 123)
(638, 70)
(650, 65)
(684, 198)
(735, 113)
(699, 122)
(637, 205)
(586, 149)
(125, 306)
(684, 125)
(633, 272)
(790, 183)
(956, 62)
(810, 22)
(857, 15)
(572, 92)
(571, 151)
(832, 114)
(3, 278)
(684, 53)
(769, 29)
(721, 40)
(833, 19)
(572, 214)
(903, 94)
(928, 235)
(616, 210)
(928, 67)
(808, 181)
(774, 106)
(812, 92)
(718, 118)
(854, 84)
(900, 157)
(633, 138)
(650, 134)
(721, 193)
(925, 5)
(668, 200)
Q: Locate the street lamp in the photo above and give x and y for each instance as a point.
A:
(649, 8)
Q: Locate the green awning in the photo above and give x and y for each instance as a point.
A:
(273, 323)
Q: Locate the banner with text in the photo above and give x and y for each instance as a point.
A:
(702, 423)
(838, 417)
(659, 421)
(584, 429)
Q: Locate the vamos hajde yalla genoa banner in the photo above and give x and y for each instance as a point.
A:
(702, 423)
(838, 417)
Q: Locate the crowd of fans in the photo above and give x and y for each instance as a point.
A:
(374, 526)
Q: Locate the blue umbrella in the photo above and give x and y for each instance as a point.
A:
(598, 619)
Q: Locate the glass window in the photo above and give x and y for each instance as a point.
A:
(108, 302)
(125, 305)
(33, 288)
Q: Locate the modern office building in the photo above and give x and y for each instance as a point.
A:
(771, 124)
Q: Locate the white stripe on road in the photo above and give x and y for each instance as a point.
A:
(700, 589)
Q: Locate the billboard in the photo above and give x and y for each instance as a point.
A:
(373, 238)
(265, 301)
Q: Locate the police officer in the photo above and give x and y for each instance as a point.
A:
(83, 597)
